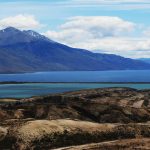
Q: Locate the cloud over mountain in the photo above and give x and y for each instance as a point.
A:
(93, 27)
(20, 21)
(103, 34)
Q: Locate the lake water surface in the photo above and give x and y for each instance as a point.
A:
(35, 89)
(81, 76)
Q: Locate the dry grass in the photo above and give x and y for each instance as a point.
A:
(127, 144)
(3, 133)
(38, 129)
(8, 100)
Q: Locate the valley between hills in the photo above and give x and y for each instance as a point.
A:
(105, 119)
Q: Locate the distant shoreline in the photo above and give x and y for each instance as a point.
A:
(17, 82)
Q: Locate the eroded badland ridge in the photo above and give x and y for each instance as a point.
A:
(113, 118)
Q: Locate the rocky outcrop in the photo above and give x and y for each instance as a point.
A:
(111, 105)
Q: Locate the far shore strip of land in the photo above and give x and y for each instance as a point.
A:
(18, 82)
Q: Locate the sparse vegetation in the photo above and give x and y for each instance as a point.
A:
(76, 118)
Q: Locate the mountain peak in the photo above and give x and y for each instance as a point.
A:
(36, 35)
(11, 35)
(10, 29)
(32, 33)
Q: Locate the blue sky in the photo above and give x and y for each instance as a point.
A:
(54, 12)
(110, 26)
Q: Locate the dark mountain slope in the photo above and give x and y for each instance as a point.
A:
(146, 60)
(28, 51)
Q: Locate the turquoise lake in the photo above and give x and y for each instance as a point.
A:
(35, 89)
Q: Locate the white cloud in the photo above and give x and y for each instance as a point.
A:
(102, 34)
(125, 46)
(82, 28)
(20, 22)
(146, 32)
(99, 26)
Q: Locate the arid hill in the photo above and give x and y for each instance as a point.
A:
(132, 144)
(99, 116)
